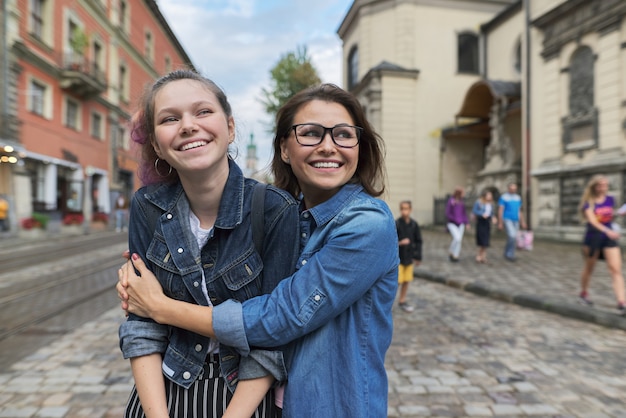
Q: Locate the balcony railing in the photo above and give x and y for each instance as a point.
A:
(82, 76)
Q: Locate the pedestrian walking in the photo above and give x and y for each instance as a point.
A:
(409, 249)
(335, 312)
(510, 218)
(121, 213)
(4, 214)
(600, 241)
(191, 224)
(458, 222)
(482, 211)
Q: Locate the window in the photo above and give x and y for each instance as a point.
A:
(122, 83)
(353, 67)
(580, 127)
(149, 46)
(517, 60)
(37, 18)
(71, 114)
(97, 56)
(123, 12)
(96, 125)
(123, 138)
(37, 97)
(468, 53)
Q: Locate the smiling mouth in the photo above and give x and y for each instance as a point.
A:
(192, 145)
(326, 165)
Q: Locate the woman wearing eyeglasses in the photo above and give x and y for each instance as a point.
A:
(335, 311)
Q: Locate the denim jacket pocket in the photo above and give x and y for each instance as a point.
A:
(243, 276)
(166, 271)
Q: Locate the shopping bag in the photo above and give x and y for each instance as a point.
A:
(525, 240)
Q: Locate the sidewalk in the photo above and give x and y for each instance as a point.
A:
(545, 278)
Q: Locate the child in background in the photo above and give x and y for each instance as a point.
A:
(410, 251)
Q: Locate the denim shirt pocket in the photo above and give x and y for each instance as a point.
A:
(166, 271)
(242, 277)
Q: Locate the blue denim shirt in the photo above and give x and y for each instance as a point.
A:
(159, 232)
(337, 308)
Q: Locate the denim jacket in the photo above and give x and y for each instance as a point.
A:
(336, 309)
(159, 232)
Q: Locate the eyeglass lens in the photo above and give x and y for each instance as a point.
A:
(312, 134)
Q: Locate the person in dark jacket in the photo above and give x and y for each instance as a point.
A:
(410, 251)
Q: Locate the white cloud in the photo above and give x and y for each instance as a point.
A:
(237, 42)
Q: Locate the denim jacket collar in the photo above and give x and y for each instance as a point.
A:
(230, 214)
(327, 210)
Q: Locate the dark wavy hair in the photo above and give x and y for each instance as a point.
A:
(142, 125)
(370, 171)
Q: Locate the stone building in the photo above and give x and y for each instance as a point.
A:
(545, 106)
(410, 63)
(577, 102)
(72, 73)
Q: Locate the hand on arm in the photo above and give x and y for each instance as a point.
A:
(143, 295)
(247, 397)
(591, 218)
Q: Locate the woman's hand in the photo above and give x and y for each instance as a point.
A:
(614, 235)
(140, 294)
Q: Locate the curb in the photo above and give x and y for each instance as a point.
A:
(570, 310)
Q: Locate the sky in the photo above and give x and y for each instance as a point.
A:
(236, 43)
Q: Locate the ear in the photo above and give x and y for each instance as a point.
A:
(157, 150)
(231, 129)
(284, 152)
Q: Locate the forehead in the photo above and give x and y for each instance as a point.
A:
(322, 112)
(181, 91)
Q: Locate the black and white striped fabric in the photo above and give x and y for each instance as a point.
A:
(206, 398)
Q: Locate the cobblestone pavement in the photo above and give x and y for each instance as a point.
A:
(546, 278)
(457, 355)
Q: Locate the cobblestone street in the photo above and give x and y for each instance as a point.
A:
(457, 355)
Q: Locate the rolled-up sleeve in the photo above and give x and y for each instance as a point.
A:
(228, 326)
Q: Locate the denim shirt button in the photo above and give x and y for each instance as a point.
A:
(196, 284)
(317, 298)
(180, 251)
(304, 235)
(303, 262)
(169, 216)
(198, 347)
(186, 375)
(305, 215)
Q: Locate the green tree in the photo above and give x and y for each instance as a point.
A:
(293, 72)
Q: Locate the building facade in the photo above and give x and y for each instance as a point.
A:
(410, 63)
(73, 73)
(545, 108)
(577, 107)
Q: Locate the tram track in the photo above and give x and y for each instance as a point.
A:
(26, 308)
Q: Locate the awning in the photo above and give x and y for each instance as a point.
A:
(481, 96)
(46, 159)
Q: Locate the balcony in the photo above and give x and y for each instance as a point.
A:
(81, 77)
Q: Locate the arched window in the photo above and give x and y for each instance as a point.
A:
(517, 58)
(353, 67)
(581, 82)
(468, 53)
(580, 126)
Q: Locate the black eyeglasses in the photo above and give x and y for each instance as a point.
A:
(311, 134)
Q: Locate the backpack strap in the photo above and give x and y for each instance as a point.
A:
(258, 216)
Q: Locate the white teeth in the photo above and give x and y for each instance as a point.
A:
(191, 145)
(326, 165)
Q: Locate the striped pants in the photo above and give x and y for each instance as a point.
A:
(206, 398)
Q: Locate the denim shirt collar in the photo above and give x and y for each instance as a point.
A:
(230, 214)
(327, 210)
